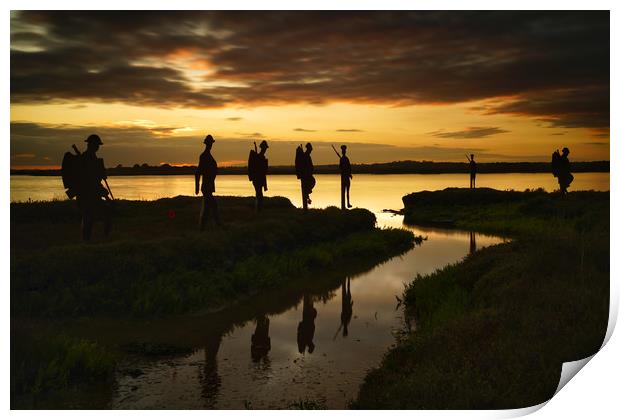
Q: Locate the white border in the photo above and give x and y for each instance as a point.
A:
(592, 394)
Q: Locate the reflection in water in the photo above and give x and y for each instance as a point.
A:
(305, 329)
(209, 378)
(472, 242)
(261, 343)
(347, 307)
(221, 375)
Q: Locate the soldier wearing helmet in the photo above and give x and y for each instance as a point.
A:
(91, 193)
(207, 170)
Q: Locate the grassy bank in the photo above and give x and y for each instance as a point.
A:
(154, 264)
(494, 330)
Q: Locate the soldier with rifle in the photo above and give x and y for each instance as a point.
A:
(345, 176)
(82, 175)
(257, 172)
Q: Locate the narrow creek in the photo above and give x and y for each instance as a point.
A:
(314, 343)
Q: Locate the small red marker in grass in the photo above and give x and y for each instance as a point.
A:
(172, 214)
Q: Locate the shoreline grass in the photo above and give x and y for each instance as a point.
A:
(494, 330)
(188, 270)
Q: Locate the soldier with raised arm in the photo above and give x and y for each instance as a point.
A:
(207, 169)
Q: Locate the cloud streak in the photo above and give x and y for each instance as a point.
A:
(548, 65)
(470, 133)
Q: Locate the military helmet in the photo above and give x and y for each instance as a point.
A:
(343, 147)
(93, 138)
(565, 150)
(308, 146)
(209, 139)
(263, 144)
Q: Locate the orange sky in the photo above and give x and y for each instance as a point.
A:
(392, 87)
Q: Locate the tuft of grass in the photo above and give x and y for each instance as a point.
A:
(495, 329)
(46, 363)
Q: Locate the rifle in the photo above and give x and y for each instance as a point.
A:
(255, 148)
(336, 151)
(468, 159)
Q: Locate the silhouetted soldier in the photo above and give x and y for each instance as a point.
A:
(472, 171)
(261, 343)
(347, 306)
(305, 329)
(90, 193)
(257, 172)
(345, 176)
(305, 171)
(565, 178)
(207, 168)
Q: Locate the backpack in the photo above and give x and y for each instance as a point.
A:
(555, 164)
(299, 162)
(71, 171)
(252, 165)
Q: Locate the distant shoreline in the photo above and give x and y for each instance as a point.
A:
(392, 168)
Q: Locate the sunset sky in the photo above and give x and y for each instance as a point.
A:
(507, 86)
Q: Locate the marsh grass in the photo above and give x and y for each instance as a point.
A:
(495, 329)
(55, 362)
(174, 269)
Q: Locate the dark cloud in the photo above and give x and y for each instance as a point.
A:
(469, 133)
(32, 143)
(234, 118)
(303, 130)
(555, 65)
(349, 130)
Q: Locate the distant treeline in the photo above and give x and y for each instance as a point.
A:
(402, 167)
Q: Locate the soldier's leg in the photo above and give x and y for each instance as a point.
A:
(87, 224)
(342, 192)
(258, 203)
(107, 219)
(304, 197)
(349, 189)
(214, 209)
(204, 209)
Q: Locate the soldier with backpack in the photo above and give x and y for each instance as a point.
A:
(82, 174)
(304, 170)
(257, 172)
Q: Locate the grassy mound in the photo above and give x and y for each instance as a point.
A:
(155, 264)
(495, 329)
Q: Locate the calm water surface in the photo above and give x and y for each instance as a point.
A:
(374, 192)
(304, 353)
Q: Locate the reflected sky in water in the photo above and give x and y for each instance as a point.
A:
(222, 373)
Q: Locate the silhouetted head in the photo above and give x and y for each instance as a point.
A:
(472, 156)
(208, 141)
(263, 145)
(308, 147)
(344, 149)
(93, 141)
(565, 151)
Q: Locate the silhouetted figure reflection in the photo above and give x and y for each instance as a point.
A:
(305, 329)
(472, 171)
(90, 192)
(347, 306)
(207, 169)
(565, 178)
(257, 172)
(209, 378)
(261, 343)
(305, 170)
(472, 242)
(345, 177)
